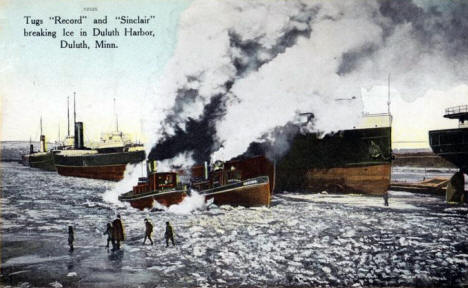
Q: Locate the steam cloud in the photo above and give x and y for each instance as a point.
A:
(242, 71)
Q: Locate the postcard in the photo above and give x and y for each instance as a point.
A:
(233, 143)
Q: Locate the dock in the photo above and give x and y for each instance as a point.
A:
(434, 186)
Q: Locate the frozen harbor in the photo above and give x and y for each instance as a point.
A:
(301, 240)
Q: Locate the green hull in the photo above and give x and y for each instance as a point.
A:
(42, 160)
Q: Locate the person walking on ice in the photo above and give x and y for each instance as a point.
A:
(118, 232)
(148, 231)
(110, 233)
(169, 234)
(385, 197)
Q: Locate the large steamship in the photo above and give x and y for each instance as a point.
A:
(452, 144)
(107, 161)
(352, 161)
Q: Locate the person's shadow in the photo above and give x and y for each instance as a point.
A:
(116, 259)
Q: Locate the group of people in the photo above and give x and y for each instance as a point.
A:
(116, 234)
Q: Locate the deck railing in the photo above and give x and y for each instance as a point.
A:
(456, 110)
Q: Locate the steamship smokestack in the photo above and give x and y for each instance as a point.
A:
(31, 146)
(43, 144)
(42, 147)
(79, 143)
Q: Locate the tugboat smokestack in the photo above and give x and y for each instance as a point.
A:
(152, 166)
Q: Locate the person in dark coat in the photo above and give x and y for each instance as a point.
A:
(169, 234)
(118, 232)
(71, 238)
(109, 232)
(148, 231)
(385, 197)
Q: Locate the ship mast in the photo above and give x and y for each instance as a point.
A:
(68, 115)
(116, 118)
(389, 100)
(74, 110)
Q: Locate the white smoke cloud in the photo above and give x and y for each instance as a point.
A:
(285, 86)
(182, 160)
(131, 175)
(338, 48)
(190, 203)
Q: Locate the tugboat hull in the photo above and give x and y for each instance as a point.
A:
(146, 201)
(249, 193)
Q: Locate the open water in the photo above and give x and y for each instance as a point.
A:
(301, 240)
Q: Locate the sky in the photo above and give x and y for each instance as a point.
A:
(37, 76)
(212, 65)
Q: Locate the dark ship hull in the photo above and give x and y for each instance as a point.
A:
(25, 159)
(106, 166)
(357, 160)
(42, 160)
(452, 145)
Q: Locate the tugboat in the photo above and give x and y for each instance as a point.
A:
(163, 187)
(238, 182)
(241, 167)
(223, 184)
(452, 145)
